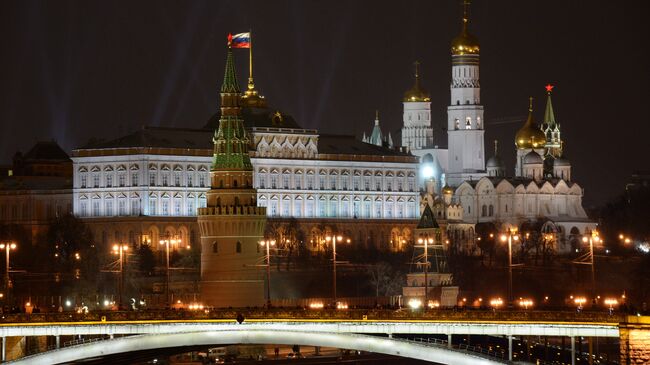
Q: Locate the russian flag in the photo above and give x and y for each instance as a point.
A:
(240, 40)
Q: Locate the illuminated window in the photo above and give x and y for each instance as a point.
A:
(468, 123)
(109, 180)
(152, 179)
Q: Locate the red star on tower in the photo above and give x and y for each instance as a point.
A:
(549, 88)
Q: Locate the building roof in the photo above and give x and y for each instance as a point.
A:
(427, 220)
(158, 137)
(258, 117)
(46, 150)
(349, 145)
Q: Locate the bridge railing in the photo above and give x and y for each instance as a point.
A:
(327, 314)
(460, 347)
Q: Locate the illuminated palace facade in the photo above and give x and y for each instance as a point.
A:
(149, 184)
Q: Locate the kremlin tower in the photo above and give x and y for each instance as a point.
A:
(232, 224)
(465, 126)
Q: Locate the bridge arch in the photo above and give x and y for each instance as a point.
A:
(366, 343)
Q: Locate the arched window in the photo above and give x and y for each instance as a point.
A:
(238, 247)
(215, 247)
(483, 210)
(234, 183)
(457, 124)
(491, 213)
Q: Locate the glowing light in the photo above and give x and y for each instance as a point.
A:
(496, 302)
(415, 303)
(611, 302)
(341, 305)
(427, 172)
(316, 305)
(525, 303)
(549, 88)
(433, 304)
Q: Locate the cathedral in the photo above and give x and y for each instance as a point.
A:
(464, 188)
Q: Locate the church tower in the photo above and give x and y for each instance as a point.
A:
(465, 126)
(529, 141)
(232, 224)
(550, 128)
(417, 132)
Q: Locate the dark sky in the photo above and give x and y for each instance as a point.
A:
(71, 70)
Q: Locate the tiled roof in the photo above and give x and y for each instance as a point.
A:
(46, 150)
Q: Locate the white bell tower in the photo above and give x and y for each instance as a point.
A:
(465, 124)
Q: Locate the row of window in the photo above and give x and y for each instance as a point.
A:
(122, 207)
(333, 182)
(177, 179)
(335, 209)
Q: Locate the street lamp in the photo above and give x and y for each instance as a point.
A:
(119, 249)
(509, 237)
(426, 240)
(7, 246)
(591, 238)
(334, 239)
(268, 244)
(167, 241)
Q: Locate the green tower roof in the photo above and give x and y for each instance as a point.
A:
(549, 115)
(230, 140)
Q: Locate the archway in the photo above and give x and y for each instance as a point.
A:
(381, 345)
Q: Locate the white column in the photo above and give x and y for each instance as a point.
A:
(573, 350)
(4, 349)
(510, 348)
(57, 339)
(449, 338)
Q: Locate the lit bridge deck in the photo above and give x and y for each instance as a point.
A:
(346, 329)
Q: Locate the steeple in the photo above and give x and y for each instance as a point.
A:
(465, 43)
(230, 140)
(416, 93)
(551, 128)
(549, 116)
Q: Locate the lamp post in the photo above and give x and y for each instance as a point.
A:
(426, 240)
(268, 244)
(509, 237)
(333, 239)
(167, 241)
(591, 238)
(7, 246)
(119, 249)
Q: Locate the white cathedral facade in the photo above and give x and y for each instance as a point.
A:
(541, 188)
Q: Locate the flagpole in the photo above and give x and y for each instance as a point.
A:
(250, 60)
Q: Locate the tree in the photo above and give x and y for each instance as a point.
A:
(146, 260)
(385, 279)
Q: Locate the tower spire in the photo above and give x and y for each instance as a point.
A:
(496, 147)
(549, 115)
(230, 140)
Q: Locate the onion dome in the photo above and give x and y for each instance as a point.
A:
(495, 161)
(416, 93)
(465, 43)
(530, 136)
(533, 158)
(561, 162)
(447, 190)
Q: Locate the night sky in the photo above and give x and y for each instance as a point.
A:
(72, 70)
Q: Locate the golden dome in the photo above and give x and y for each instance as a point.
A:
(530, 135)
(447, 190)
(417, 93)
(464, 43)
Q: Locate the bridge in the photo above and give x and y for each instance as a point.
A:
(373, 331)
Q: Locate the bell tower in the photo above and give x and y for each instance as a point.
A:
(232, 224)
(465, 126)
